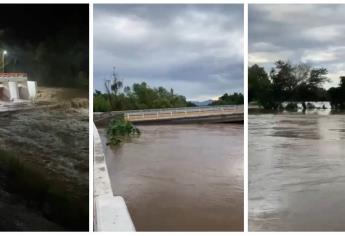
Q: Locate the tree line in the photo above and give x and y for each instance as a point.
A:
(287, 82)
(139, 96)
(118, 97)
(229, 99)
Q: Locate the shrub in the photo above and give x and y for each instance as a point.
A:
(120, 129)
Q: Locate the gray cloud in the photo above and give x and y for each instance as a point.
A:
(195, 49)
(313, 34)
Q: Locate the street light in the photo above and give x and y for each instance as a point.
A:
(3, 60)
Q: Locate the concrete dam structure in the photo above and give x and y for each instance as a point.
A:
(16, 86)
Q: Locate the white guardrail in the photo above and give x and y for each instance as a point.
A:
(181, 112)
(110, 212)
(172, 112)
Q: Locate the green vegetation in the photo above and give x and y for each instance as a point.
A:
(121, 129)
(47, 196)
(101, 102)
(139, 96)
(337, 95)
(229, 99)
(291, 83)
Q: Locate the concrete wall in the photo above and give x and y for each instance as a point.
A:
(32, 89)
(5, 93)
(15, 90)
(23, 90)
(110, 212)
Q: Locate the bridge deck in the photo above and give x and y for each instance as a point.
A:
(207, 114)
(183, 113)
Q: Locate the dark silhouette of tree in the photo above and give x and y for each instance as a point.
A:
(259, 85)
(287, 82)
(229, 99)
(337, 95)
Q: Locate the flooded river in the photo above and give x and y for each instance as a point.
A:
(51, 146)
(181, 177)
(297, 172)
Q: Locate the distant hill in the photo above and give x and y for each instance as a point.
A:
(202, 103)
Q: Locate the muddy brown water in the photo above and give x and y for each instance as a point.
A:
(297, 172)
(55, 143)
(181, 177)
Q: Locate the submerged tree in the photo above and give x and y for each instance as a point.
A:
(287, 82)
(337, 95)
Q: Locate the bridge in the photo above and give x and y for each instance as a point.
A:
(184, 115)
(110, 211)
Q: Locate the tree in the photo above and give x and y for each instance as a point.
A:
(258, 83)
(287, 82)
(284, 80)
(232, 99)
(337, 95)
(112, 87)
(317, 77)
(138, 96)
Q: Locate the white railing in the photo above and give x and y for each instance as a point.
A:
(171, 112)
(181, 112)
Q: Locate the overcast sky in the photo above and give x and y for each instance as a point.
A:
(195, 49)
(313, 34)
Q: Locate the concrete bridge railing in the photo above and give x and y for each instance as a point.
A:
(182, 112)
(168, 113)
(110, 212)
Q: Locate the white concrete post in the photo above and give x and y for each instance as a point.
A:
(32, 89)
(13, 89)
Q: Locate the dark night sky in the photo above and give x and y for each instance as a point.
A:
(49, 42)
(35, 22)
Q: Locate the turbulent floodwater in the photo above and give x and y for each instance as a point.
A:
(55, 142)
(181, 177)
(296, 172)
